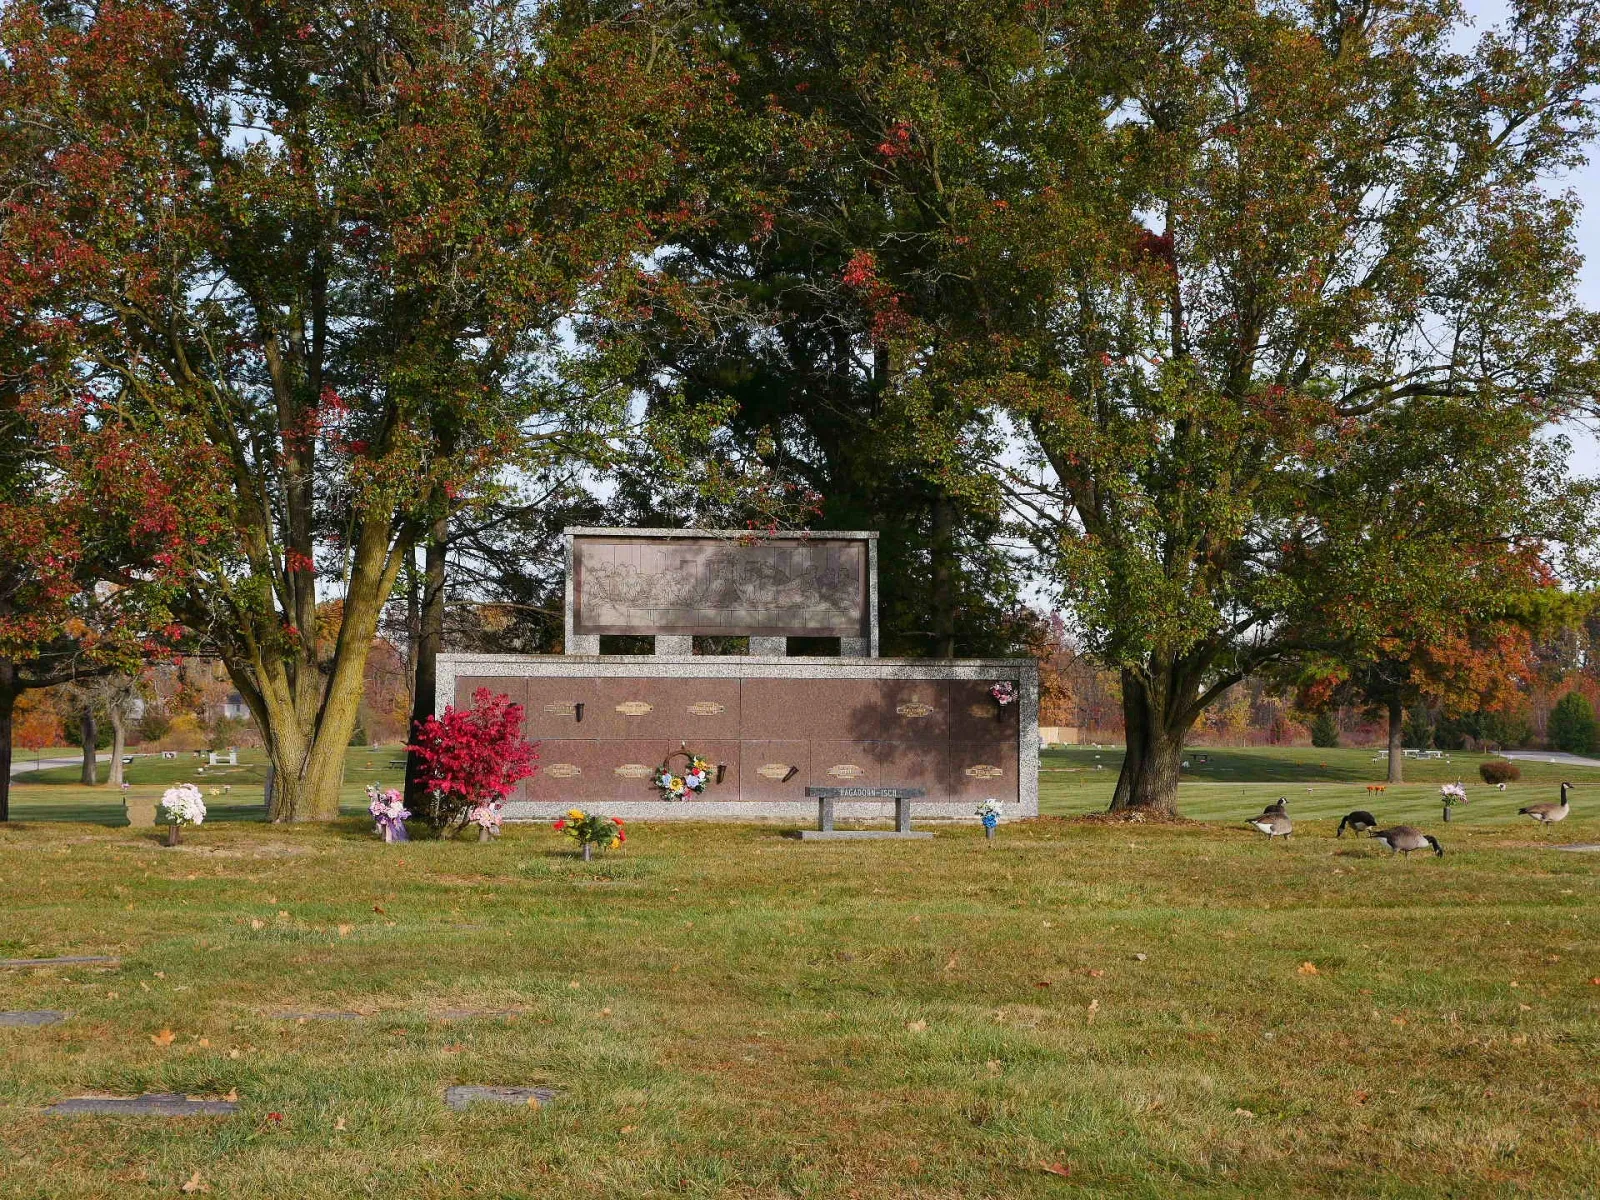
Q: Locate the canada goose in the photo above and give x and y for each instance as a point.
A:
(1359, 822)
(1548, 812)
(1273, 825)
(1278, 808)
(1403, 839)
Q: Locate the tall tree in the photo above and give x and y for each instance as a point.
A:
(1301, 245)
(329, 243)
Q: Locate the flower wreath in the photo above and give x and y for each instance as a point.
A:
(1004, 692)
(696, 774)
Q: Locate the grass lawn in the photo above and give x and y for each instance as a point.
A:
(727, 1012)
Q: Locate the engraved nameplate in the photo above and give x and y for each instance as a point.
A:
(634, 708)
(985, 771)
(846, 771)
(563, 771)
(707, 708)
(776, 771)
(915, 708)
(561, 710)
(633, 771)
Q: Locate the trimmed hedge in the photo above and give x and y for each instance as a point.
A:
(1499, 770)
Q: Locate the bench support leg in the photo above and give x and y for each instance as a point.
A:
(902, 814)
(825, 814)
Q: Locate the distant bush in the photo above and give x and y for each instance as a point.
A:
(1572, 724)
(1499, 770)
(1324, 730)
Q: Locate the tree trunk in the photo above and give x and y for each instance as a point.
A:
(305, 702)
(8, 708)
(430, 640)
(1397, 724)
(119, 739)
(943, 554)
(1157, 720)
(89, 730)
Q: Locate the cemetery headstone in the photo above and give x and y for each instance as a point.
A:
(463, 1096)
(151, 1104)
(36, 1017)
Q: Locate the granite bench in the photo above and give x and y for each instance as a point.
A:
(827, 796)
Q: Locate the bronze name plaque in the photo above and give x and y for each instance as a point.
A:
(632, 771)
(707, 708)
(915, 708)
(634, 708)
(771, 587)
(563, 770)
(778, 771)
(561, 710)
(985, 771)
(846, 771)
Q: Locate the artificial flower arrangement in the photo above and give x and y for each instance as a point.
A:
(989, 813)
(1004, 692)
(184, 805)
(696, 774)
(591, 829)
(1452, 794)
(488, 817)
(388, 808)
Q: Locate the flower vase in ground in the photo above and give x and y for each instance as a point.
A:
(989, 813)
(590, 830)
(1452, 794)
(183, 805)
(389, 811)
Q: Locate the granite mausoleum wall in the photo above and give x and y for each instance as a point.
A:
(778, 725)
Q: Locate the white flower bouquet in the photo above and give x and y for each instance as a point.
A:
(183, 805)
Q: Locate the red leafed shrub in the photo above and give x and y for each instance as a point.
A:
(1499, 771)
(470, 757)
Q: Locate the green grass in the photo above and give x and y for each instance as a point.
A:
(727, 1012)
(730, 1013)
(56, 794)
(1321, 785)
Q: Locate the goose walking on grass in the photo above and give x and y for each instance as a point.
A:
(1273, 825)
(1403, 839)
(1358, 822)
(1548, 812)
(1278, 808)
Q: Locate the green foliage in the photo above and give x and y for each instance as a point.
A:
(1417, 732)
(72, 731)
(153, 724)
(1572, 725)
(1325, 730)
(1499, 770)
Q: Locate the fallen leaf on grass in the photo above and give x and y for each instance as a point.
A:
(1307, 968)
(338, 1125)
(195, 1184)
(1056, 1168)
(1095, 973)
(1397, 1020)
(344, 930)
(994, 1066)
(1595, 982)
(1520, 1039)
(1094, 1009)
(627, 1129)
(535, 1102)
(257, 923)
(164, 1038)
(951, 965)
(1524, 1008)
(1244, 1112)
(1359, 1098)
(205, 1043)
(916, 1026)
(233, 1096)
(378, 908)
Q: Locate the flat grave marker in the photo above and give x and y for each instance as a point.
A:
(151, 1104)
(43, 1016)
(69, 960)
(462, 1096)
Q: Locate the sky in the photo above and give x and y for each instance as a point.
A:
(1585, 460)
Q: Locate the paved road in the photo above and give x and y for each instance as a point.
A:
(1552, 756)
(20, 764)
